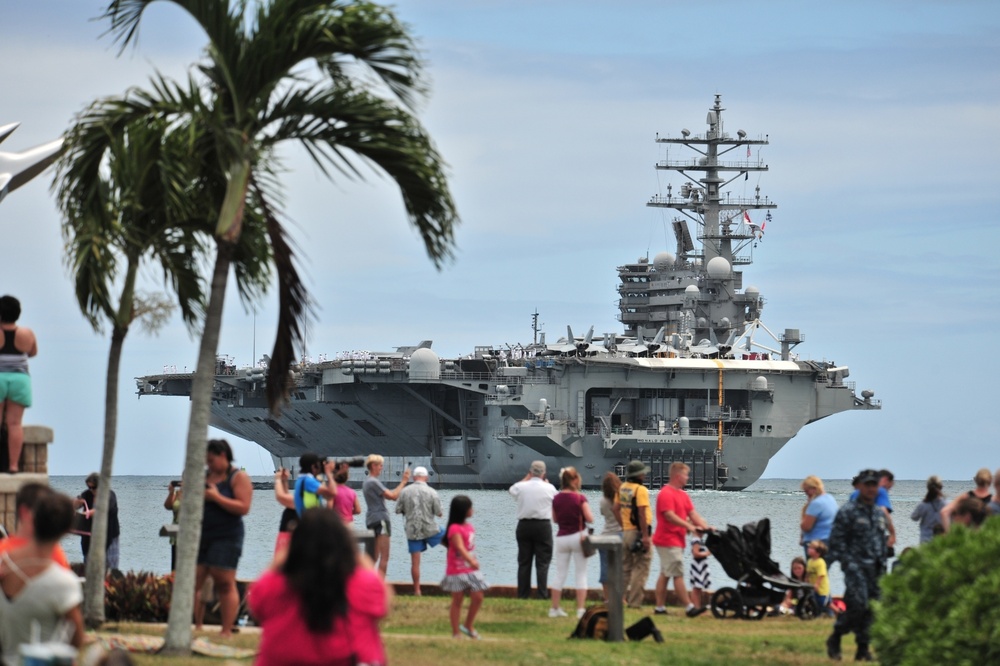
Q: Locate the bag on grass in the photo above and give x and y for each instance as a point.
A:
(593, 624)
(643, 628)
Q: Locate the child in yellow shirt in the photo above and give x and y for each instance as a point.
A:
(816, 574)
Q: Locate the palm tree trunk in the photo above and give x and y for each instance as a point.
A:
(93, 591)
(179, 635)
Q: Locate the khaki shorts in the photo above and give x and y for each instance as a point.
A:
(671, 561)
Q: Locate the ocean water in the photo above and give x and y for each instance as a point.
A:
(141, 513)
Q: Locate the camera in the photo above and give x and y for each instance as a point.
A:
(351, 461)
(176, 484)
(637, 546)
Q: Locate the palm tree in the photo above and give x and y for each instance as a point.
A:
(339, 78)
(122, 193)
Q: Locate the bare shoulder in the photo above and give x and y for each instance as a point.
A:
(24, 340)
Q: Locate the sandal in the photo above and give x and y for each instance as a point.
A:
(471, 633)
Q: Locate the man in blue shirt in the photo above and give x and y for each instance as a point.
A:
(309, 490)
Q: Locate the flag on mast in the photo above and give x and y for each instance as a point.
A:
(746, 218)
(748, 151)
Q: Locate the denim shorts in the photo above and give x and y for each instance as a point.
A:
(420, 545)
(221, 553)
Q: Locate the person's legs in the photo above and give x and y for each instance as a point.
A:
(681, 591)
(13, 413)
(415, 572)
(201, 574)
(660, 592)
(628, 559)
(580, 571)
(475, 601)
(543, 557)
(85, 547)
(229, 597)
(525, 553)
(455, 613)
(112, 553)
(382, 554)
(562, 569)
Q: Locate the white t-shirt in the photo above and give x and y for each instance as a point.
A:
(44, 599)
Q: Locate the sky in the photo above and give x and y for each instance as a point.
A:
(882, 121)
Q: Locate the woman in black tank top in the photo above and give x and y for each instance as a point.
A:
(228, 492)
(19, 344)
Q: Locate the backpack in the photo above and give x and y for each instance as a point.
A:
(593, 624)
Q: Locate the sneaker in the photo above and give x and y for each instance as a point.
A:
(580, 612)
(659, 611)
(695, 612)
(863, 654)
(471, 633)
(557, 612)
(833, 647)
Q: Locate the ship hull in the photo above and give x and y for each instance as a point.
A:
(479, 424)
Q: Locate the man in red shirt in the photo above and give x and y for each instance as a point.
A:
(675, 519)
(24, 506)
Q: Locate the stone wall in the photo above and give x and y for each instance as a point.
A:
(34, 467)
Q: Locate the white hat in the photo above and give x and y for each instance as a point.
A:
(419, 471)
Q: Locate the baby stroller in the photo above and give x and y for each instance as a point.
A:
(746, 557)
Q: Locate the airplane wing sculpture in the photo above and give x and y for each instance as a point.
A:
(16, 169)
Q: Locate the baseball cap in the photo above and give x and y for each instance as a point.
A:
(419, 471)
(868, 476)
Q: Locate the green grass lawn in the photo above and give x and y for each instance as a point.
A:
(516, 632)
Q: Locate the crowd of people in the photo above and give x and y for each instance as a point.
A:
(342, 616)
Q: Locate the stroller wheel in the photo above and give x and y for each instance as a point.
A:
(727, 602)
(807, 608)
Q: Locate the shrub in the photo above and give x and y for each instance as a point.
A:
(137, 596)
(940, 603)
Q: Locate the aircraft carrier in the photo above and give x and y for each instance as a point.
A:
(695, 376)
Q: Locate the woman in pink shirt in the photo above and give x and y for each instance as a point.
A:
(346, 502)
(323, 603)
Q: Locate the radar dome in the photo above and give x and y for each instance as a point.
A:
(692, 290)
(752, 292)
(718, 268)
(663, 260)
(425, 364)
(760, 384)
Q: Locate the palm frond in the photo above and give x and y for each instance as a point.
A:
(335, 123)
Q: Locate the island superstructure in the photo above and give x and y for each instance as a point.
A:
(695, 376)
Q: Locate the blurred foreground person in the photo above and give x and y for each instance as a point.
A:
(24, 527)
(320, 604)
(37, 592)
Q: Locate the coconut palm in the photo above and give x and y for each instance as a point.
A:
(338, 78)
(123, 193)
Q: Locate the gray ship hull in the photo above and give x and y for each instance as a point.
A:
(480, 422)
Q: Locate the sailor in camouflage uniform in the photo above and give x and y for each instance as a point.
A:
(858, 542)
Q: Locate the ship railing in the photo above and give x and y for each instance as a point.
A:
(509, 380)
(731, 202)
(700, 163)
